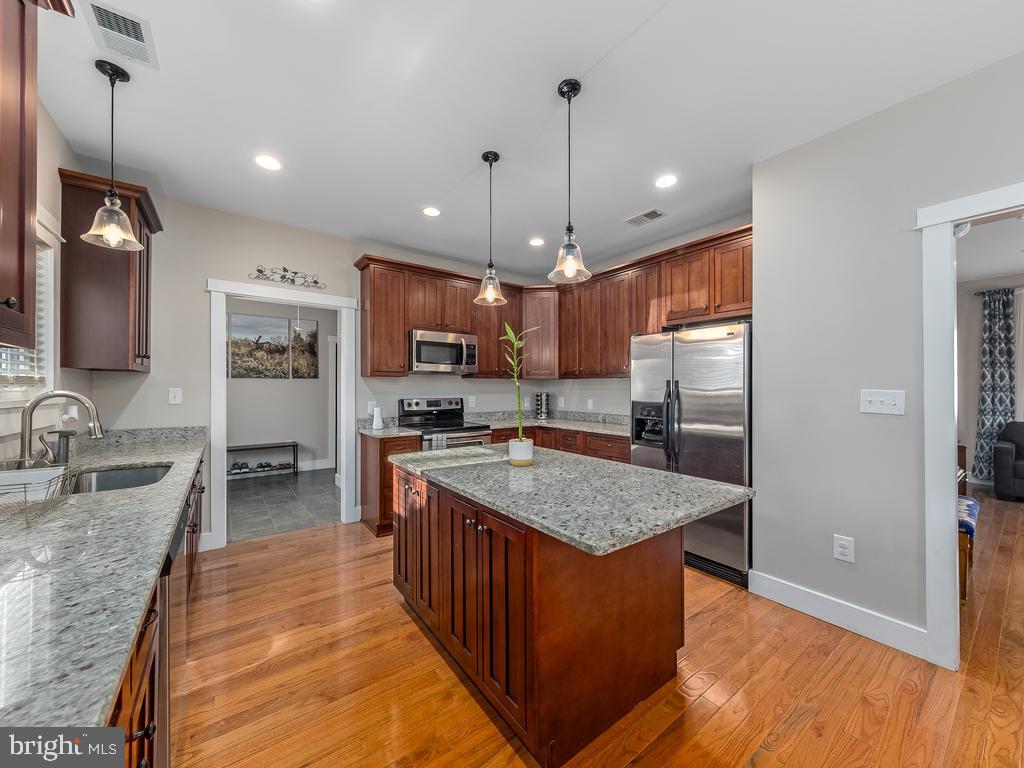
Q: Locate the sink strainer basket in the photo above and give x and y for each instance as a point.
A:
(28, 492)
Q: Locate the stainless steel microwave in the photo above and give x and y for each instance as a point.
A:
(436, 352)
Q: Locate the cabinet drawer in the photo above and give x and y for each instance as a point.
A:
(611, 447)
(570, 441)
(499, 436)
(392, 447)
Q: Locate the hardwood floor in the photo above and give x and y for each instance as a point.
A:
(299, 652)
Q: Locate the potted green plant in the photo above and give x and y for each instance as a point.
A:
(520, 449)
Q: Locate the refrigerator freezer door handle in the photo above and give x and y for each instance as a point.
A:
(677, 421)
(666, 421)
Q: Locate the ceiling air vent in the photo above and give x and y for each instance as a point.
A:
(122, 33)
(645, 218)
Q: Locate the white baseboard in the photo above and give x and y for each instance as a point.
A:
(905, 637)
(337, 480)
(207, 541)
(311, 464)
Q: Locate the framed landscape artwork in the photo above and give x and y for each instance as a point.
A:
(261, 347)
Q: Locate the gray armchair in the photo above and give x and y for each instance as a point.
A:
(1008, 462)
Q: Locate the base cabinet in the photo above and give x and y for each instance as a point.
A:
(377, 500)
(561, 643)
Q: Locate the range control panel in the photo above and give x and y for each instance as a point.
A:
(427, 404)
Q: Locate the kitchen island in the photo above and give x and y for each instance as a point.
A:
(557, 588)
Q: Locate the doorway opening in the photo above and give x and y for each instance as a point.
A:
(942, 226)
(282, 420)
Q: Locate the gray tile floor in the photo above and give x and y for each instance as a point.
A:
(263, 506)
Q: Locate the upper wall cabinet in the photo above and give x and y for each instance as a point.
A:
(583, 330)
(105, 322)
(18, 179)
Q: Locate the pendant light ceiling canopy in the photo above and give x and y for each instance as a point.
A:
(569, 264)
(490, 287)
(111, 228)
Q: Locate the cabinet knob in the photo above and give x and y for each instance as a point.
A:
(481, 528)
(470, 522)
(401, 365)
(704, 307)
(147, 733)
(10, 302)
(717, 304)
(143, 763)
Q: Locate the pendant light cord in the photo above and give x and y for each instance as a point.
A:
(490, 214)
(113, 189)
(568, 142)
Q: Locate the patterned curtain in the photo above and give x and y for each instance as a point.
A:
(997, 398)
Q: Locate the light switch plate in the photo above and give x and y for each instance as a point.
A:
(471, 402)
(526, 401)
(590, 404)
(174, 396)
(890, 402)
(561, 402)
(842, 548)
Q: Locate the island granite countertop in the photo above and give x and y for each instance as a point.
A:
(595, 505)
(76, 584)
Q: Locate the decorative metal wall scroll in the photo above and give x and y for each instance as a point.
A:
(287, 276)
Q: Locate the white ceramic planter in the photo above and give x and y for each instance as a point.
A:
(520, 453)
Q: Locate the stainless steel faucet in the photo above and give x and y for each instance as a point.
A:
(95, 430)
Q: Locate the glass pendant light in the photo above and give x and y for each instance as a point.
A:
(490, 287)
(111, 227)
(569, 265)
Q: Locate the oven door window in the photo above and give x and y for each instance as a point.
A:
(438, 353)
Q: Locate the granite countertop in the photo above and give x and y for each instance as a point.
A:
(598, 428)
(595, 505)
(76, 584)
(594, 427)
(389, 432)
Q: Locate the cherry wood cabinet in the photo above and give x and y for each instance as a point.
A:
(610, 447)
(568, 332)
(383, 327)
(376, 474)
(545, 437)
(505, 434)
(687, 286)
(645, 300)
(614, 321)
(583, 330)
(136, 708)
(425, 296)
(458, 299)
(733, 267)
(561, 643)
(540, 311)
(402, 548)
(427, 555)
(570, 441)
(105, 318)
(18, 99)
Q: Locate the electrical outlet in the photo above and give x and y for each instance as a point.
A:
(526, 401)
(590, 404)
(842, 548)
(561, 402)
(471, 402)
(174, 396)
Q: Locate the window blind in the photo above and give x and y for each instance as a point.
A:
(26, 368)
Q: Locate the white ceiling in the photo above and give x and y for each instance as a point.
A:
(380, 108)
(994, 249)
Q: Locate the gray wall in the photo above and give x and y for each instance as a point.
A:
(269, 410)
(837, 302)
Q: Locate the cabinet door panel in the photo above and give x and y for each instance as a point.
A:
(426, 298)
(18, 20)
(540, 311)
(427, 583)
(458, 299)
(504, 603)
(591, 329)
(734, 276)
(546, 437)
(568, 332)
(615, 322)
(403, 521)
(461, 589)
(511, 313)
(687, 286)
(645, 300)
(484, 322)
(389, 346)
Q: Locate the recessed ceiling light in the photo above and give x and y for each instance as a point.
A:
(666, 181)
(268, 162)
(431, 211)
(536, 242)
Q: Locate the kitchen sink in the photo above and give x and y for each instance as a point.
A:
(117, 479)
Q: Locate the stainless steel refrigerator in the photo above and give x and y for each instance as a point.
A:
(690, 413)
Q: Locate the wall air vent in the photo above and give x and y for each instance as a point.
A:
(122, 33)
(645, 218)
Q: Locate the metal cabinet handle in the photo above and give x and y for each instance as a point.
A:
(147, 733)
(143, 763)
(153, 615)
(10, 302)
